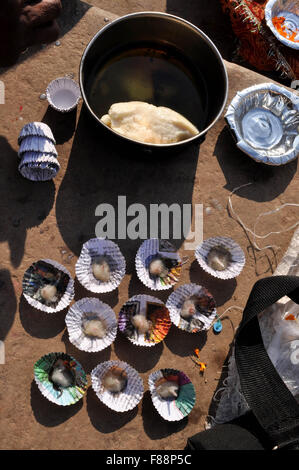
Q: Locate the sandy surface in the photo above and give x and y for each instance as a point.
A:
(54, 219)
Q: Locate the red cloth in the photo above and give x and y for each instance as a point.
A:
(257, 44)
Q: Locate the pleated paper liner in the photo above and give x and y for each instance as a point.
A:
(37, 144)
(205, 312)
(237, 257)
(60, 396)
(150, 250)
(125, 400)
(176, 408)
(90, 308)
(90, 251)
(63, 94)
(154, 310)
(38, 167)
(37, 129)
(43, 273)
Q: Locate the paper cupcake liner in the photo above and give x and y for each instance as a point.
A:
(236, 252)
(39, 129)
(125, 400)
(264, 120)
(90, 250)
(148, 251)
(45, 272)
(154, 310)
(204, 316)
(74, 319)
(63, 94)
(177, 408)
(64, 396)
(39, 167)
(37, 144)
(287, 9)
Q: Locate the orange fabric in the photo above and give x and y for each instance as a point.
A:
(256, 40)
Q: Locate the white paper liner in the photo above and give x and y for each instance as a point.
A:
(168, 409)
(139, 339)
(125, 400)
(63, 94)
(38, 167)
(273, 103)
(74, 320)
(288, 9)
(237, 257)
(151, 248)
(65, 299)
(175, 302)
(39, 129)
(95, 247)
(37, 144)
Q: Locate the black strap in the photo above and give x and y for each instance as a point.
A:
(265, 392)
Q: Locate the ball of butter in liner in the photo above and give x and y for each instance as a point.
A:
(49, 293)
(219, 258)
(101, 269)
(95, 328)
(147, 123)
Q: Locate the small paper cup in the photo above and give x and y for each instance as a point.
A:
(100, 247)
(125, 400)
(38, 166)
(172, 409)
(150, 250)
(81, 310)
(45, 272)
(64, 396)
(41, 145)
(204, 315)
(237, 257)
(154, 310)
(63, 94)
(36, 129)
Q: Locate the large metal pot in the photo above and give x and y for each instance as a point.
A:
(168, 29)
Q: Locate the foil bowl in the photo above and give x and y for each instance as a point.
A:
(289, 10)
(264, 120)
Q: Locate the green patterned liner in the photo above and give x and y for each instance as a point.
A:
(70, 395)
(177, 408)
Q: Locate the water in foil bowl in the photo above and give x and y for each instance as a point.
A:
(264, 120)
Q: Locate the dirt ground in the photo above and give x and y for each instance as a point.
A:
(53, 219)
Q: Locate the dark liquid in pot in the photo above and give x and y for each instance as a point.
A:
(152, 73)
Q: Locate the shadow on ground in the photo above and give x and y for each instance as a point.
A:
(106, 168)
(154, 425)
(142, 359)
(103, 418)
(87, 360)
(23, 203)
(72, 12)
(47, 413)
(8, 303)
(183, 343)
(238, 168)
(40, 324)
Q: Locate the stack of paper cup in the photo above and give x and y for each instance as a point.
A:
(37, 152)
